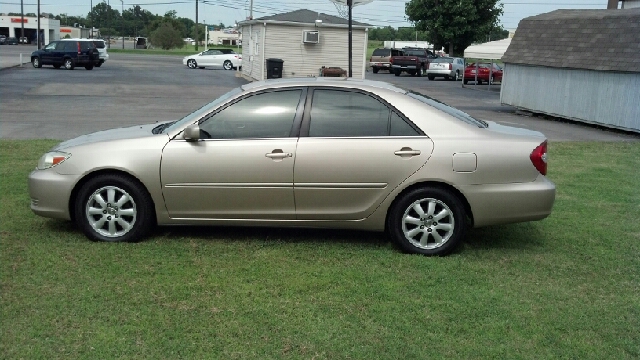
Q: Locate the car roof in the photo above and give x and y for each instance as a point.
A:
(322, 81)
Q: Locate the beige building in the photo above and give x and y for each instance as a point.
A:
(305, 40)
(224, 37)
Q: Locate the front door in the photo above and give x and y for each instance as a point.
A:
(242, 168)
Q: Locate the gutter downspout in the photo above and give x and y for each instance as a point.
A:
(263, 64)
(364, 54)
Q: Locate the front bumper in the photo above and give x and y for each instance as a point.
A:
(50, 193)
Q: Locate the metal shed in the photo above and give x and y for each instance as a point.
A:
(581, 65)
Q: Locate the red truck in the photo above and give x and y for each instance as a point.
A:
(413, 61)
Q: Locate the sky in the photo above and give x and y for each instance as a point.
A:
(377, 12)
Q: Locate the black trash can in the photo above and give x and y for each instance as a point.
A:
(274, 68)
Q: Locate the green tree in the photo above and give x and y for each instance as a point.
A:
(454, 24)
(166, 36)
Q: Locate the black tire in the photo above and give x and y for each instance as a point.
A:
(447, 77)
(99, 64)
(411, 72)
(443, 227)
(375, 70)
(419, 72)
(491, 80)
(479, 82)
(89, 67)
(227, 65)
(69, 64)
(192, 64)
(465, 81)
(397, 72)
(135, 209)
(57, 66)
(35, 61)
(431, 77)
(456, 76)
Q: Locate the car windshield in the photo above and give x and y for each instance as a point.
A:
(442, 60)
(381, 52)
(414, 52)
(460, 115)
(202, 111)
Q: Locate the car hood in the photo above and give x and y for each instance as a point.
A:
(131, 132)
(511, 130)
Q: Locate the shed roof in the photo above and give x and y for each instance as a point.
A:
(307, 17)
(605, 40)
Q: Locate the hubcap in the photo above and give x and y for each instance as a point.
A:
(111, 211)
(428, 223)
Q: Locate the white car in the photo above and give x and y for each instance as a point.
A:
(219, 58)
(447, 67)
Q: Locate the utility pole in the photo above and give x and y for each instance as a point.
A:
(108, 31)
(196, 33)
(90, 19)
(38, 39)
(22, 21)
(122, 20)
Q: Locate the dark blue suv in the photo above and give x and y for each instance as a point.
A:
(67, 53)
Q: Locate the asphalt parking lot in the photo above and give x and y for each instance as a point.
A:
(133, 89)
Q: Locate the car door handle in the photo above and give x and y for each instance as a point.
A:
(407, 152)
(278, 154)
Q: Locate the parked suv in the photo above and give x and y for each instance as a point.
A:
(380, 59)
(102, 49)
(2, 39)
(68, 53)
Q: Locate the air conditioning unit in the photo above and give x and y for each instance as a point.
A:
(310, 37)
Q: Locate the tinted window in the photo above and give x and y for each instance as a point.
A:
(337, 113)
(265, 115)
(86, 45)
(460, 115)
(99, 44)
(381, 52)
(227, 51)
(69, 45)
(443, 60)
(399, 127)
(414, 53)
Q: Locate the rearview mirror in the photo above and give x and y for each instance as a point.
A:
(192, 133)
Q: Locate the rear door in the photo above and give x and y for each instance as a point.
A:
(353, 151)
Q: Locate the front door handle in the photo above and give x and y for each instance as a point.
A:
(407, 152)
(278, 154)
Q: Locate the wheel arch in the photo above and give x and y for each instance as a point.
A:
(76, 189)
(432, 184)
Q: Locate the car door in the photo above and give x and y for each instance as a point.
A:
(242, 168)
(205, 58)
(46, 57)
(354, 149)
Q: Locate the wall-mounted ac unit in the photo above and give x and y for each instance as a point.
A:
(310, 37)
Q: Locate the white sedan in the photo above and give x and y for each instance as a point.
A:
(220, 58)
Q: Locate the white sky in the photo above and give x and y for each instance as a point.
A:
(377, 13)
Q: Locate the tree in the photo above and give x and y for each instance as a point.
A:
(455, 24)
(166, 36)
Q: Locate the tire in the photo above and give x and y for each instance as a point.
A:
(419, 72)
(427, 221)
(447, 77)
(411, 72)
(89, 67)
(397, 72)
(227, 65)
(36, 62)
(114, 208)
(57, 66)
(465, 81)
(431, 77)
(491, 80)
(69, 64)
(375, 70)
(456, 76)
(192, 64)
(99, 64)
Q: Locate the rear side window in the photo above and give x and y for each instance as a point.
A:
(86, 45)
(381, 52)
(70, 45)
(460, 115)
(99, 44)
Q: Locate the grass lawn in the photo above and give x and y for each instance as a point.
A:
(564, 287)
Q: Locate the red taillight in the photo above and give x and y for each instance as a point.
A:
(450, 66)
(79, 50)
(390, 60)
(539, 158)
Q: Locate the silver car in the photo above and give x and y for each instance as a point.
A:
(446, 67)
(317, 152)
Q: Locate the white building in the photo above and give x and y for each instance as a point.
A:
(305, 40)
(11, 26)
(224, 37)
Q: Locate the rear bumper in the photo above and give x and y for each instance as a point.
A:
(510, 203)
(404, 67)
(380, 65)
(441, 72)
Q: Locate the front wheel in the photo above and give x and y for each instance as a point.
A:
(88, 67)
(36, 62)
(419, 72)
(428, 221)
(114, 208)
(227, 65)
(69, 64)
(192, 64)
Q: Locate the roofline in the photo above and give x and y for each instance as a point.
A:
(293, 23)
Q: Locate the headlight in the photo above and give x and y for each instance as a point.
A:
(52, 159)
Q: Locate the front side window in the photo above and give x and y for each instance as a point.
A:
(344, 113)
(51, 46)
(264, 115)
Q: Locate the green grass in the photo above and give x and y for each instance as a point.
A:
(183, 51)
(564, 287)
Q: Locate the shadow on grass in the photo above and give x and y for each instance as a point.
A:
(523, 236)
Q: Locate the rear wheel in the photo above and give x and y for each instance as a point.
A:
(428, 221)
(375, 70)
(419, 71)
(36, 62)
(99, 64)
(192, 64)
(89, 67)
(114, 208)
(491, 80)
(455, 76)
(397, 72)
(465, 81)
(227, 65)
(431, 77)
(69, 64)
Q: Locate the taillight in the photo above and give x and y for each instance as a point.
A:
(390, 60)
(539, 158)
(79, 50)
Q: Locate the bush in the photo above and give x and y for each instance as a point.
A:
(166, 37)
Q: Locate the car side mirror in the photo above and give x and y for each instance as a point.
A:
(192, 133)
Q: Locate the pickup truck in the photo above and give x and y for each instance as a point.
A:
(414, 61)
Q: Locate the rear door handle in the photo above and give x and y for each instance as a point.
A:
(407, 152)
